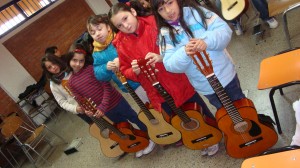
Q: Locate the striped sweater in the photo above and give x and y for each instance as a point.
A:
(84, 84)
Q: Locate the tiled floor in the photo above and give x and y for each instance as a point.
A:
(247, 57)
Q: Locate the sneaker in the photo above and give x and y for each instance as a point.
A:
(212, 150)
(238, 29)
(149, 148)
(179, 143)
(139, 154)
(204, 152)
(272, 23)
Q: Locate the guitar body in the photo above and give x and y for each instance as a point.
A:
(198, 135)
(255, 136)
(108, 147)
(133, 140)
(160, 131)
(231, 9)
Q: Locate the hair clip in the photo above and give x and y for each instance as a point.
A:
(77, 50)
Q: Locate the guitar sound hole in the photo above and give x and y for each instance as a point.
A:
(241, 127)
(192, 125)
(154, 121)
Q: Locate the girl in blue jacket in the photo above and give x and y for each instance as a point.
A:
(105, 55)
(186, 28)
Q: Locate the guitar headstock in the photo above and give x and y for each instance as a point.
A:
(121, 77)
(87, 104)
(147, 70)
(203, 63)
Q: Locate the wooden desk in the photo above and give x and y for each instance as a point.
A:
(278, 6)
(288, 159)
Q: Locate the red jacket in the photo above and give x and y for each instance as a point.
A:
(135, 46)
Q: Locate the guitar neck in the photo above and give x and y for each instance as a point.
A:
(138, 101)
(102, 124)
(225, 100)
(171, 103)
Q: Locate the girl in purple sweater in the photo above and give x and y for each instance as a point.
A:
(108, 100)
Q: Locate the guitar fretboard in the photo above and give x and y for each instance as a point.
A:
(225, 100)
(138, 101)
(185, 118)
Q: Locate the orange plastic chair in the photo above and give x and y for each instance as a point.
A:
(277, 72)
(283, 157)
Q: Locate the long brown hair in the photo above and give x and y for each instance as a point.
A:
(161, 22)
(54, 60)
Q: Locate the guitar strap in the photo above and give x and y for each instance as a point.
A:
(266, 120)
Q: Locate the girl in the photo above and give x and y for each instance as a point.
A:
(105, 54)
(137, 39)
(108, 100)
(56, 70)
(186, 28)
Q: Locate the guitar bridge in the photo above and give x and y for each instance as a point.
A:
(251, 142)
(114, 145)
(231, 6)
(164, 135)
(133, 145)
(202, 138)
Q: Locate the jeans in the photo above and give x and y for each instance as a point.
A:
(260, 5)
(233, 90)
(123, 112)
(195, 98)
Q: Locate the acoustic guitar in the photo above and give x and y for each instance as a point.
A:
(129, 139)
(109, 147)
(159, 130)
(245, 135)
(231, 9)
(196, 134)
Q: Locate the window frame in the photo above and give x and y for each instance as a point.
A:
(15, 3)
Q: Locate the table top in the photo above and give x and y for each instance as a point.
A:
(279, 6)
(289, 159)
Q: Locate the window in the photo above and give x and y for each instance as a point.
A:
(17, 12)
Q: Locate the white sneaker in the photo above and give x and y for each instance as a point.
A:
(139, 154)
(238, 29)
(149, 148)
(212, 150)
(272, 23)
(204, 152)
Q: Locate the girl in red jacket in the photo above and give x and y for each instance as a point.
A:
(137, 39)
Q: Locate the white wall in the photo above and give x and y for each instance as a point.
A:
(14, 77)
(98, 7)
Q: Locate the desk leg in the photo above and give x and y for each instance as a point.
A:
(271, 94)
(286, 30)
(6, 159)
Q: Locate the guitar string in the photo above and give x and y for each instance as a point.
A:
(149, 72)
(217, 83)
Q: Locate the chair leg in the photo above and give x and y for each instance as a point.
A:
(281, 91)
(28, 156)
(286, 30)
(271, 94)
(56, 134)
(45, 160)
(6, 159)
